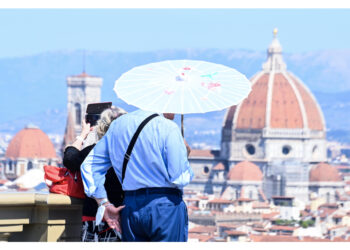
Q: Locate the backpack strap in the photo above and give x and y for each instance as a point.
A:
(132, 143)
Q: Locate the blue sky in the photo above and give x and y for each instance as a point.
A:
(31, 31)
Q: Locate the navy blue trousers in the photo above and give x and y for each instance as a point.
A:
(154, 216)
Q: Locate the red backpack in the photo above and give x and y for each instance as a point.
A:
(64, 181)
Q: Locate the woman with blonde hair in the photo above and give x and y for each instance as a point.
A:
(73, 157)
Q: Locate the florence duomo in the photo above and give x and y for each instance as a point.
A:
(216, 131)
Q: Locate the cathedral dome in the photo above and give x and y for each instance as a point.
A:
(278, 100)
(30, 142)
(324, 172)
(245, 171)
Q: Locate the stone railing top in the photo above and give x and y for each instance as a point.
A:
(24, 198)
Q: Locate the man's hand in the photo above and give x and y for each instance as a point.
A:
(112, 217)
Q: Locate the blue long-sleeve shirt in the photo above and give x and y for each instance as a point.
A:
(159, 157)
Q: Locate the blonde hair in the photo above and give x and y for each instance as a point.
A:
(106, 119)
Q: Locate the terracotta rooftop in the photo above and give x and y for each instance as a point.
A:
(286, 108)
(291, 104)
(83, 75)
(192, 208)
(270, 216)
(2, 181)
(220, 201)
(261, 205)
(198, 153)
(200, 237)
(219, 166)
(329, 205)
(30, 143)
(244, 199)
(245, 171)
(203, 229)
(287, 238)
(203, 197)
(235, 233)
(324, 172)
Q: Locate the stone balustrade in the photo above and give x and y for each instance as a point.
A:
(39, 217)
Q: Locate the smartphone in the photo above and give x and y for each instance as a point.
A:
(94, 110)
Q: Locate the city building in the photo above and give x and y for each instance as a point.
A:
(279, 129)
(29, 149)
(82, 89)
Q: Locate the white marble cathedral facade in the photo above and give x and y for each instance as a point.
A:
(280, 128)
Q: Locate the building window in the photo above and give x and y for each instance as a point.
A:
(250, 149)
(286, 149)
(77, 113)
(30, 165)
(10, 166)
(314, 150)
(250, 194)
(206, 170)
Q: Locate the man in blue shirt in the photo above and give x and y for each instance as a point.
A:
(156, 173)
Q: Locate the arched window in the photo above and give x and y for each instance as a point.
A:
(77, 113)
(328, 198)
(250, 194)
(29, 165)
(250, 149)
(286, 149)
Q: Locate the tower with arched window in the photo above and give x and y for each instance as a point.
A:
(82, 90)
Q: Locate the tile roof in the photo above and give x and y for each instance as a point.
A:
(289, 238)
(30, 143)
(314, 118)
(219, 166)
(252, 111)
(324, 172)
(257, 204)
(200, 237)
(235, 233)
(203, 229)
(245, 199)
(270, 216)
(220, 201)
(245, 171)
(286, 106)
(195, 153)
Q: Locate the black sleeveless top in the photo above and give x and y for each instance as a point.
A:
(73, 158)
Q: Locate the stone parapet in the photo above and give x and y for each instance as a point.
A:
(38, 217)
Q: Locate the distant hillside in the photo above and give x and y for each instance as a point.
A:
(33, 88)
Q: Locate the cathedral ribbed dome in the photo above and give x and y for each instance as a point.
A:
(30, 142)
(278, 100)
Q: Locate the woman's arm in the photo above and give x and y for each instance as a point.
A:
(72, 157)
(78, 143)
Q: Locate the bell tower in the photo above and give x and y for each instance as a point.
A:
(82, 90)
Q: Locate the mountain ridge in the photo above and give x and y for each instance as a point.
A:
(31, 85)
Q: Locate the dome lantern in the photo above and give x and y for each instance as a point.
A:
(274, 56)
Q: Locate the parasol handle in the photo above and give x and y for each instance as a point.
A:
(182, 125)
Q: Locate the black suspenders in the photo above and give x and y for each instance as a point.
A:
(132, 143)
